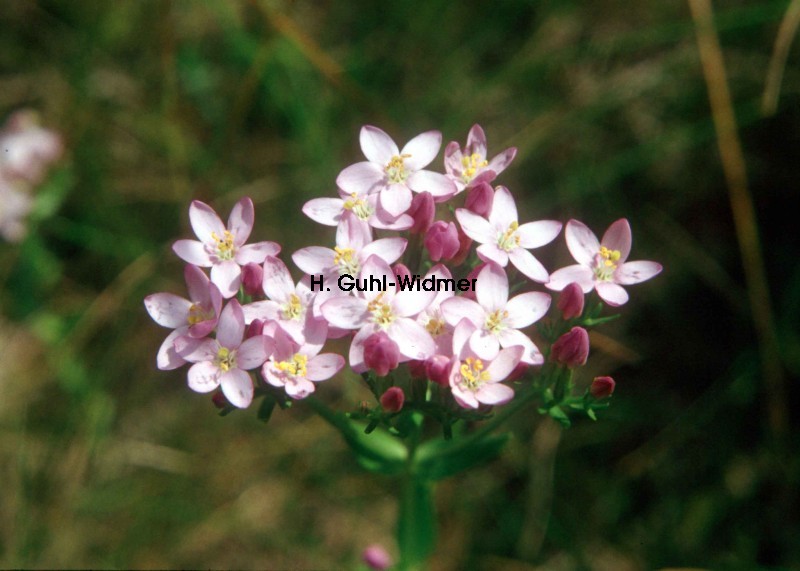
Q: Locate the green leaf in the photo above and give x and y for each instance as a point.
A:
(266, 408)
(559, 415)
(438, 459)
(416, 523)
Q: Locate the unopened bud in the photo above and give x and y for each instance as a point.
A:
(441, 241)
(392, 400)
(219, 400)
(381, 354)
(256, 327)
(252, 277)
(417, 369)
(376, 557)
(464, 247)
(572, 348)
(570, 301)
(422, 210)
(518, 371)
(437, 369)
(402, 273)
(602, 387)
(479, 199)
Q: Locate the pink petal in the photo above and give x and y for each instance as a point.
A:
(168, 310)
(612, 293)
(377, 268)
(618, 237)
(327, 211)
(237, 386)
(196, 350)
(516, 338)
(582, 242)
(423, 149)
(457, 308)
(395, 199)
(576, 273)
(410, 303)
(256, 253)
(278, 283)
(323, 367)
(484, 344)
(376, 145)
(168, 358)
(193, 252)
(526, 263)
(264, 310)
(387, 249)
(203, 377)
(240, 221)
(361, 178)
(475, 226)
(492, 253)
(500, 162)
(412, 339)
(402, 222)
(197, 283)
(506, 361)
(428, 181)
(299, 388)
(231, 325)
(253, 352)
(203, 328)
(504, 209)
(345, 312)
(227, 277)
(356, 355)
(314, 259)
(636, 272)
(463, 331)
(536, 234)
(491, 288)
(526, 308)
(204, 221)
(494, 394)
(465, 399)
(476, 141)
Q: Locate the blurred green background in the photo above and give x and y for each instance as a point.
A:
(107, 462)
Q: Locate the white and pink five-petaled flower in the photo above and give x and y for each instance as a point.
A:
(297, 367)
(223, 362)
(471, 166)
(475, 381)
(602, 264)
(395, 173)
(497, 319)
(195, 317)
(223, 248)
(389, 311)
(503, 239)
(361, 206)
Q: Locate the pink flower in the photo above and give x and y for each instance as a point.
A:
(297, 368)
(15, 205)
(431, 317)
(195, 317)
(393, 399)
(423, 211)
(394, 173)
(252, 276)
(475, 381)
(572, 348)
(389, 311)
(441, 241)
(502, 238)
(224, 361)
(362, 206)
(571, 301)
(437, 369)
(220, 248)
(479, 199)
(469, 167)
(602, 387)
(602, 265)
(381, 353)
(497, 319)
(27, 149)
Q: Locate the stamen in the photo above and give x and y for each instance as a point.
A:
(471, 165)
(396, 168)
(494, 322)
(509, 239)
(297, 366)
(472, 373)
(224, 245)
(226, 359)
(293, 309)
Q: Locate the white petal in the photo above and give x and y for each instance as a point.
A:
(526, 263)
(203, 377)
(475, 227)
(387, 249)
(582, 242)
(611, 293)
(484, 344)
(526, 308)
(492, 253)
(376, 145)
(168, 310)
(536, 234)
(230, 328)
(636, 272)
(494, 394)
(227, 277)
(361, 178)
(491, 288)
(504, 209)
(237, 386)
(193, 252)
(428, 181)
(168, 358)
(256, 253)
(345, 312)
(277, 282)
(457, 308)
(395, 199)
(423, 149)
(325, 211)
(618, 237)
(575, 273)
(253, 352)
(506, 361)
(515, 338)
(412, 339)
(204, 221)
(314, 259)
(323, 367)
(240, 221)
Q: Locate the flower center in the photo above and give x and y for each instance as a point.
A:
(606, 263)
(396, 168)
(347, 260)
(224, 245)
(297, 366)
(293, 309)
(358, 206)
(226, 359)
(198, 314)
(382, 313)
(471, 165)
(509, 240)
(472, 373)
(435, 326)
(494, 322)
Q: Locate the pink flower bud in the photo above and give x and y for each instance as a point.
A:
(252, 276)
(422, 210)
(442, 241)
(402, 273)
(381, 353)
(417, 369)
(376, 557)
(256, 327)
(470, 294)
(518, 371)
(219, 400)
(570, 302)
(464, 246)
(479, 199)
(572, 348)
(602, 387)
(392, 400)
(437, 369)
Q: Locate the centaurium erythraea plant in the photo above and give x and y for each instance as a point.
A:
(444, 327)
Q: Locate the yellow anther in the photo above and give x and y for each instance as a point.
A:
(297, 366)
(472, 372)
(226, 359)
(494, 322)
(606, 263)
(225, 246)
(197, 314)
(471, 165)
(358, 206)
(396, 168)
(435, 327)
(382, 313)
(293, 309)
(509, 239)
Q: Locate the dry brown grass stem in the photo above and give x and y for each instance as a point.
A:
(744, 216)
(777, 64)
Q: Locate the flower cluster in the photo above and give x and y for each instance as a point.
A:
(26, 152)
(418, 282)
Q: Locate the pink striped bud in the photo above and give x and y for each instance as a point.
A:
(479, 199)
(572, 348)
(381, 353)
(377, 558)
(422, 210)
(392, 400)
(570, 301)
(464, 247)
(252, 277)
(437, 369)
(442, 241)
(401, 272)
(256, 327)
(602, 387)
